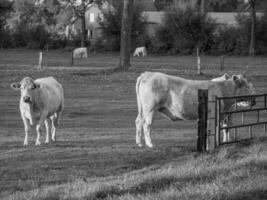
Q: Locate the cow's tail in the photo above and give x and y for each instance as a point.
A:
(139, 118)
(139, 104)
(60, 108)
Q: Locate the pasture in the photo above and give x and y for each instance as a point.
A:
(96, 139)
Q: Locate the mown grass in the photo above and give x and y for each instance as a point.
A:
(234, 172)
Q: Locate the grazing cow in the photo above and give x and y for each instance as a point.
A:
(41, 102)
(140, 50)
(80, 52)
(177, 98)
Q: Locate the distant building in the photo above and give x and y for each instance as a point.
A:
(93, 13)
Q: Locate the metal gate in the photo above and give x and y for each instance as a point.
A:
(244, 119)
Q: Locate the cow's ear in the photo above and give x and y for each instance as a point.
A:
(15, 86)
(36, 86)
(227, 76)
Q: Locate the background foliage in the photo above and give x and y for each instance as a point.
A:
(184, 30)
(111, 25)
(39, 26)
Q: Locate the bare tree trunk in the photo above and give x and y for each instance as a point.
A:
(126, 27)
(83, 33)
(253, 27)
(202, 6)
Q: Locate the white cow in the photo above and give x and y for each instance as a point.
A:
(140, 50)
(177, 98)
(80, 52)
(41, 101)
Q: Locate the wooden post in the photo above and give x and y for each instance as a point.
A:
(198, 63)
(40, 63)
(222, 63)
(211, 124)
(202, 120)
(71, 58)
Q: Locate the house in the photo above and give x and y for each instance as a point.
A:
(153, 20)
(93, 13)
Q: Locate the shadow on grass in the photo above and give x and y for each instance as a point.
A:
(250, 195)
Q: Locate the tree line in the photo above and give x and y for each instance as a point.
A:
(41, 24)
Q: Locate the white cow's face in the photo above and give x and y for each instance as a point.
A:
(243, 87)
(27, 88)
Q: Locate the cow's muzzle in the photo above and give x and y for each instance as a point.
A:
(27, 99)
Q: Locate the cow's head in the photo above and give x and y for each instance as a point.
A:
(27, 88)
(222, 78)
(243, 87)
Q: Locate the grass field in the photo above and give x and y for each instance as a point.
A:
(95, 156)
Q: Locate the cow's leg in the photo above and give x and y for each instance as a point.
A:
(48, 123)
(53, 128)
(147, 127)
(39, 127)
(139, 128)
(229, 123)
(226, 132)
(57, 116)
(27, 128)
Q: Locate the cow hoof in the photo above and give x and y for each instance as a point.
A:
(37, 143)
(47, 141)
(139, 145)
(25, 143)
(150, 145)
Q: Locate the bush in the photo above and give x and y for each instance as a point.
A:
(183, 31)
(236, 40)
(6, 39)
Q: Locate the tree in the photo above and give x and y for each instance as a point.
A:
(126, 25)
(6, 7)
(252, 4)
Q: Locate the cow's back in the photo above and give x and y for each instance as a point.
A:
(51, 94)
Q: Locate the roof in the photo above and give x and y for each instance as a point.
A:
(228, 18)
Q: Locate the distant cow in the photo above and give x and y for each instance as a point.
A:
(140, 50)
(80, 52)
(177, 98)
(41, 102)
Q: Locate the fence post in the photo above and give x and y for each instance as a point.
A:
(40, 63)
(222, 63)
(71, 58)
(198, 63)
(202, 120)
